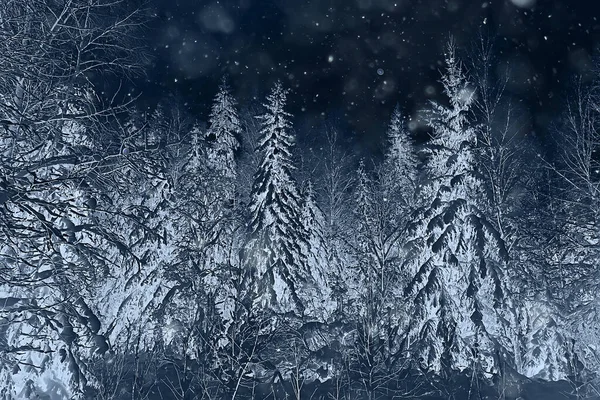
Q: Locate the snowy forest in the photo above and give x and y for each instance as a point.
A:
(155, 255)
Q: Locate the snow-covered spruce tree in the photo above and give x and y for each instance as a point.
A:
(223, 132)
(209, 274)
(384, 204)
(382, 211)
(456, 256)
(369, 276)
(315, 252)
(394, 201)
(369, 292)
(220, 176)
(249, 159)
(276, 238)
(190, 319)
(398, 175)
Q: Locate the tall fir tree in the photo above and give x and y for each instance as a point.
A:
(399, 172)
(223, 132)
(317, 293)
(221, 142)
(369, 274)
(396, 195)
(274, 252)
(456, 259)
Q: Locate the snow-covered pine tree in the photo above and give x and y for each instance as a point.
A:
(395, 198)
(399, 171)
(363, 244)
(384, 205)
(318, 292)
(221, 140)
(274, 250)
(223, 132)
(456, 256)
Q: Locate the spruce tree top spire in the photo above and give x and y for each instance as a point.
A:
(395, 127)
(274, 186)
(451, 160)
(276, 139)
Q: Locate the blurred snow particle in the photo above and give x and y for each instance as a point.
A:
(385, 89)
(380, 71)
(172, 32)
(330, 58)
(215, 18)
(452, 6)
(523, 3)
(430, 90)
(412, 125)
(420, 119)
(352, 85)
(467, 94)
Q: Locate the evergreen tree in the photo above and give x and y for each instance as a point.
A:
(364, 243)
(399, 172)
(456, 292)
(396, 195)
(274, 252)
(315, 251)
(223, 132)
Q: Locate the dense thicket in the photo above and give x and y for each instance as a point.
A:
(153, 255)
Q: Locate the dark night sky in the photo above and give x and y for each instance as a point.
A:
(353, 60)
